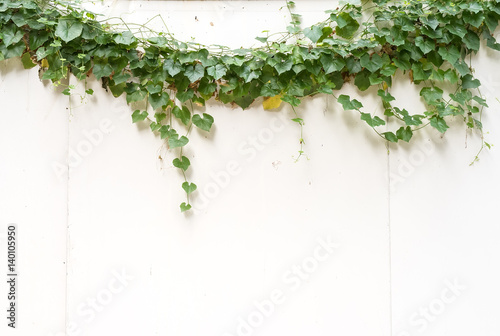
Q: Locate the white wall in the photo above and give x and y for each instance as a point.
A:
(383, 235)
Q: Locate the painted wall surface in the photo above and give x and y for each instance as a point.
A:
(356, 239)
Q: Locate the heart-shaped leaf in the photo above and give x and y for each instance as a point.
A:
(182, 163)
(205, 122)
(189, 187)
(174, 141)
(139, 116)
(185, 207)
(68, 28)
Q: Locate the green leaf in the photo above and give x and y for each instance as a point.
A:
(135, 96)
(154, 126)
(125, 38)
(182, 163)
(390, 136)
(189, 187)
(386, 96)
(172, 67)
(101, 68)
(372, 64)
(372, 122)
(204, 123)
(451, 76)
(457, 29)
(471, 40)
(425, 45)
(480, 101)
(348, 104)
(350, 27)
(183, 114)
(36, 40)
(158, 100)
(431, 95)
(185, 207)
(450, 54)
(27, 61)
(175, 141)
(194, 72)
(404, 133)
(438, 123)
(154, 88)
(468, 82)
(11, 35)
(362, 80)
(139, 116)
(331, 63)
(474, 19)
(217, 71)
(68, 28)
(314, 33)
(419, 74)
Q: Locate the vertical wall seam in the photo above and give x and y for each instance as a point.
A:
(389, 233)
(66, 308)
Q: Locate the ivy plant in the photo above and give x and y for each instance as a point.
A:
(429, 41)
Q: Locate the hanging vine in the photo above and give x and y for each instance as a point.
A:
(428, 40)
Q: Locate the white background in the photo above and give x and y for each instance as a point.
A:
(104, 249)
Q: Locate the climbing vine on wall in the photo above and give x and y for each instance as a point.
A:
(430, 41)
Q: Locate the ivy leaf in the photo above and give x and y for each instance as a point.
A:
(183, 114)
(471, 40)
(386, 96)
(125, 38)
(431, 94)
(189, 187)
(152, 88)
(27, 61)
(372, 122)
(362, 80)
(348, 104)
(468, 82)
(182, 163)
(217, 71)
(270, 103)
(292, 100)
(11, 35)
(175, 141)
(135, 96)
(372, 64)
(284, 66)
(390, 136)
(158, 100)
(194, 72)
(185, 207)
(68, 28)
(154, 126)
(314, 33)
(480, 101)
(450, 54)
(425, 45)
(350, 27)
(139, 116)
(204, 123)
(331, 63)
(474, 19)
(101, 68)
(457, 29)
(438, 123)
(404, 133)
(451, 76)
(172, 67)
(36, 40)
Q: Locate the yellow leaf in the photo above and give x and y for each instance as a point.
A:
(45, 63)
(272, 102)
(384, 85)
